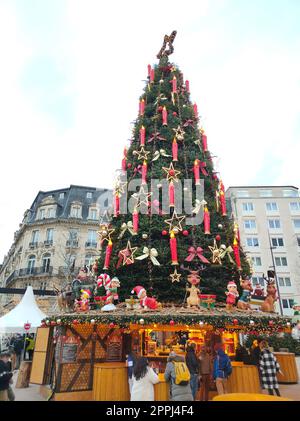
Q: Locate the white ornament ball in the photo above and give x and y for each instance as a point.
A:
(201, 323)
(288, 324)
(47, 322)
(185, 188)
(175, 230)
(161, 81)
(142, 321)
(223, 246)
(159, 186)
(184, 106)
(251, 322)
(145, 236)
(58, 321)
(93, 321)
(220, 226)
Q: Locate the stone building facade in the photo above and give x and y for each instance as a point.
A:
(58, 235)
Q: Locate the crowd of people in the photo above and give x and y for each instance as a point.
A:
(186, 375)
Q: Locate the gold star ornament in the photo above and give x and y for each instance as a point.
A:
(216, 253)
(142, 154)
(175, 222)
(179, 133)
(171, 173)
(175, 276)
(105, 233)
(128, 254)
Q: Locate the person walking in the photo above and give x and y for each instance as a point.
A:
(10, 392)
(30, 347)
(178, 392)
(5, 376)
(192, 363)
(205, 369)
(144, 379)
(269, 368)
(130, 362)
(18, 348)
(221, 371)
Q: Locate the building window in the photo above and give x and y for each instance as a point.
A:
(70, 262)
(242, 193)
(258, 280)
(49, 235)
(271, 206)
(287, 303)
(50, 213)
(61, 195)
(280, 261)
(93, 214)
(252, 242)
(46, 262)
(75, 212)
(73, 238)
(89, 260)
(277, 242)
(296, 223)
(42, 214)
(89, 195)
(43, 285)
(265, 193)
(256, 261)
(31, 264)
(249, 224)
(92, 239)
(274, 223)
(248, 207)
(35, 236)
(298, 241)
(284, 282)
(290, 193)
(295, 206)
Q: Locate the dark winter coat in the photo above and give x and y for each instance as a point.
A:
(177, 392)
(192, 361)
(255, 356)
(269, 368)
(5, 376)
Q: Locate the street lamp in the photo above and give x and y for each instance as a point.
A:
(275, 275)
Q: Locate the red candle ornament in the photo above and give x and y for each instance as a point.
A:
(204, 141)
(152, 75)
(175, 150)
(144, 172)
(173, 247)
(174, 85)
(117, 205)
(187, 86)
(237, 254)
(108, 254)
(142, 107)
(135, 220)
(206, 221)
(197, 171)
(149, 69)
(223, 203)
(142, 135)
(171, 194)
(195, 110)
(124, 160)
(165, 116)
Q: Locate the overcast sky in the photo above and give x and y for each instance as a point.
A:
(72, 71)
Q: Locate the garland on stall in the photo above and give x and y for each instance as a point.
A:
(244, 324)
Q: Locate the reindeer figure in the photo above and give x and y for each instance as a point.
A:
(65, 298)
(268, 305)
(193, 278)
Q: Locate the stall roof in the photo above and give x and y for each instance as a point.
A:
(26, 311)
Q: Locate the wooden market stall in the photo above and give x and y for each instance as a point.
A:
(87, 352)
(288, 367)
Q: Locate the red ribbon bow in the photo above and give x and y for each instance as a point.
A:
(156, 136)
(123, 254)
(137, 169)
(188, 123)
(202, 166)
(196, 252)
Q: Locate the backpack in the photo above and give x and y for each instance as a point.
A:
(182, 374)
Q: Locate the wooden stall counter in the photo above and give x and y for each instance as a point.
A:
(288, 367)
(248, 397)
(243, 379)
(161, 389)
(111, 382)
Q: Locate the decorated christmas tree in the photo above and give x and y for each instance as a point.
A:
(170, 215)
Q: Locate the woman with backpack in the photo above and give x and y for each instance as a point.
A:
(221, 371)
(144, 379)
(178, 375)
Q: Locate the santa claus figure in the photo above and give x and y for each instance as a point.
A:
(145, 302)
(232, 295)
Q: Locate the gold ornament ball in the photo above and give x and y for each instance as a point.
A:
(104, 232)
(145, 236)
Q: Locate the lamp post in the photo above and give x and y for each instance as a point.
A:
(275, 275)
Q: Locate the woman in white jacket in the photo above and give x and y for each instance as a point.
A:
(144, 379)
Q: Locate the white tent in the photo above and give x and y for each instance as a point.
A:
(26, 311)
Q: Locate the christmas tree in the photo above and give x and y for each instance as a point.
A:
(170, 228)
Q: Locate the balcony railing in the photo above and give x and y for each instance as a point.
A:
(48, 243)
(33, 245)
(91, 244)
(72, 243)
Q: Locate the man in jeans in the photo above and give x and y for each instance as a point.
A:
(193, 366)
(205, 373)
(222, 370)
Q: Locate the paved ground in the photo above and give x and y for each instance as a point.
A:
(31, 393)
